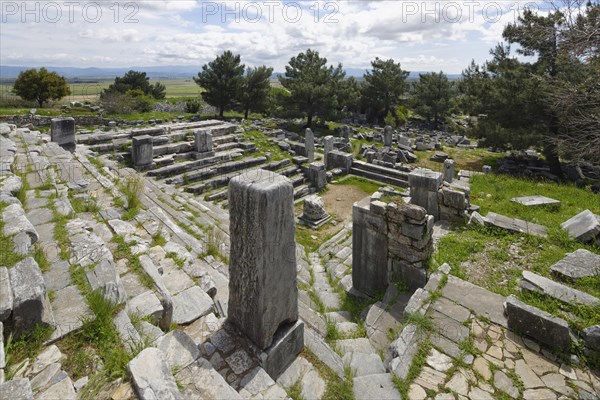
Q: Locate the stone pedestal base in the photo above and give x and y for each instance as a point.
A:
(314, 224)
(288, 342)
(200, 156)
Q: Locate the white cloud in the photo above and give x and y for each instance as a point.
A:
(422, 35)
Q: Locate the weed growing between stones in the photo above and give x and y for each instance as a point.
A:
(337, 388)
(415, 369)
(26, 346)
(40, 258)
(124, 251)
(158, 239)
(132, 189)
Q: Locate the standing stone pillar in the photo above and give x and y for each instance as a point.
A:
(317, 175)
(328, 145)
(448, 170)
(387, 136)
(369, 249)
(263, 295)
(142, 152)
(62, 131)
(309, 143)
(424, 185)
(203, 144)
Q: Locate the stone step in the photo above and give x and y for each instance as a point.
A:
(208, 171)
(377, 386)
(220, 140)
(365, 166)
(243, 166)
(297, 180)
(151, 376)
(185, 166)
(379, 177)
(222, 195)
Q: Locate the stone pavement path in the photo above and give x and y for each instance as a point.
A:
(473, 356)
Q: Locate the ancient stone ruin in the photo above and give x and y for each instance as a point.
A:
(215, 292)
(263, 295)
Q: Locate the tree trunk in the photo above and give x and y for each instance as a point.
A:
(246, 113)
(41, 103)
(221, 109)
(309, 121)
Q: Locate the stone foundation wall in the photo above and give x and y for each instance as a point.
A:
(40, 120)
(391, 242)
(443, 200)
(454, 201)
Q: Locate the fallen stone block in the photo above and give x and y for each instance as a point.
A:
(538, 284)
(532, 201)
(579, 264)
(584, 227)
(547, 329)
(515, 225)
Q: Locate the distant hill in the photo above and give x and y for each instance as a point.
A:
(162, 72)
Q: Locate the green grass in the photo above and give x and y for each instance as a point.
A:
(264, 145)
(97, 340)
(27, 345)
(295, 391)
(304, 236)
(467, 159)
(124, 251)
(82, 205)
(133, 189)
(357, 144)
(179, 261)
(61, 235)
(213, 241)
(502, 188)
(494, 258)
(423, 323)
(158, 239)
(40, 258)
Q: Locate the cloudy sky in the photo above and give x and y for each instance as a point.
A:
(422, 35)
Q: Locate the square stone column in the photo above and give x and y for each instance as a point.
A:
(369, 249)
(328, 145)
(448, 170)
(263, 295)
(62, 131)
(142, 151)
(309, 142)
(387, 136)
(204, 142)
(424, 185)
(317, 175)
